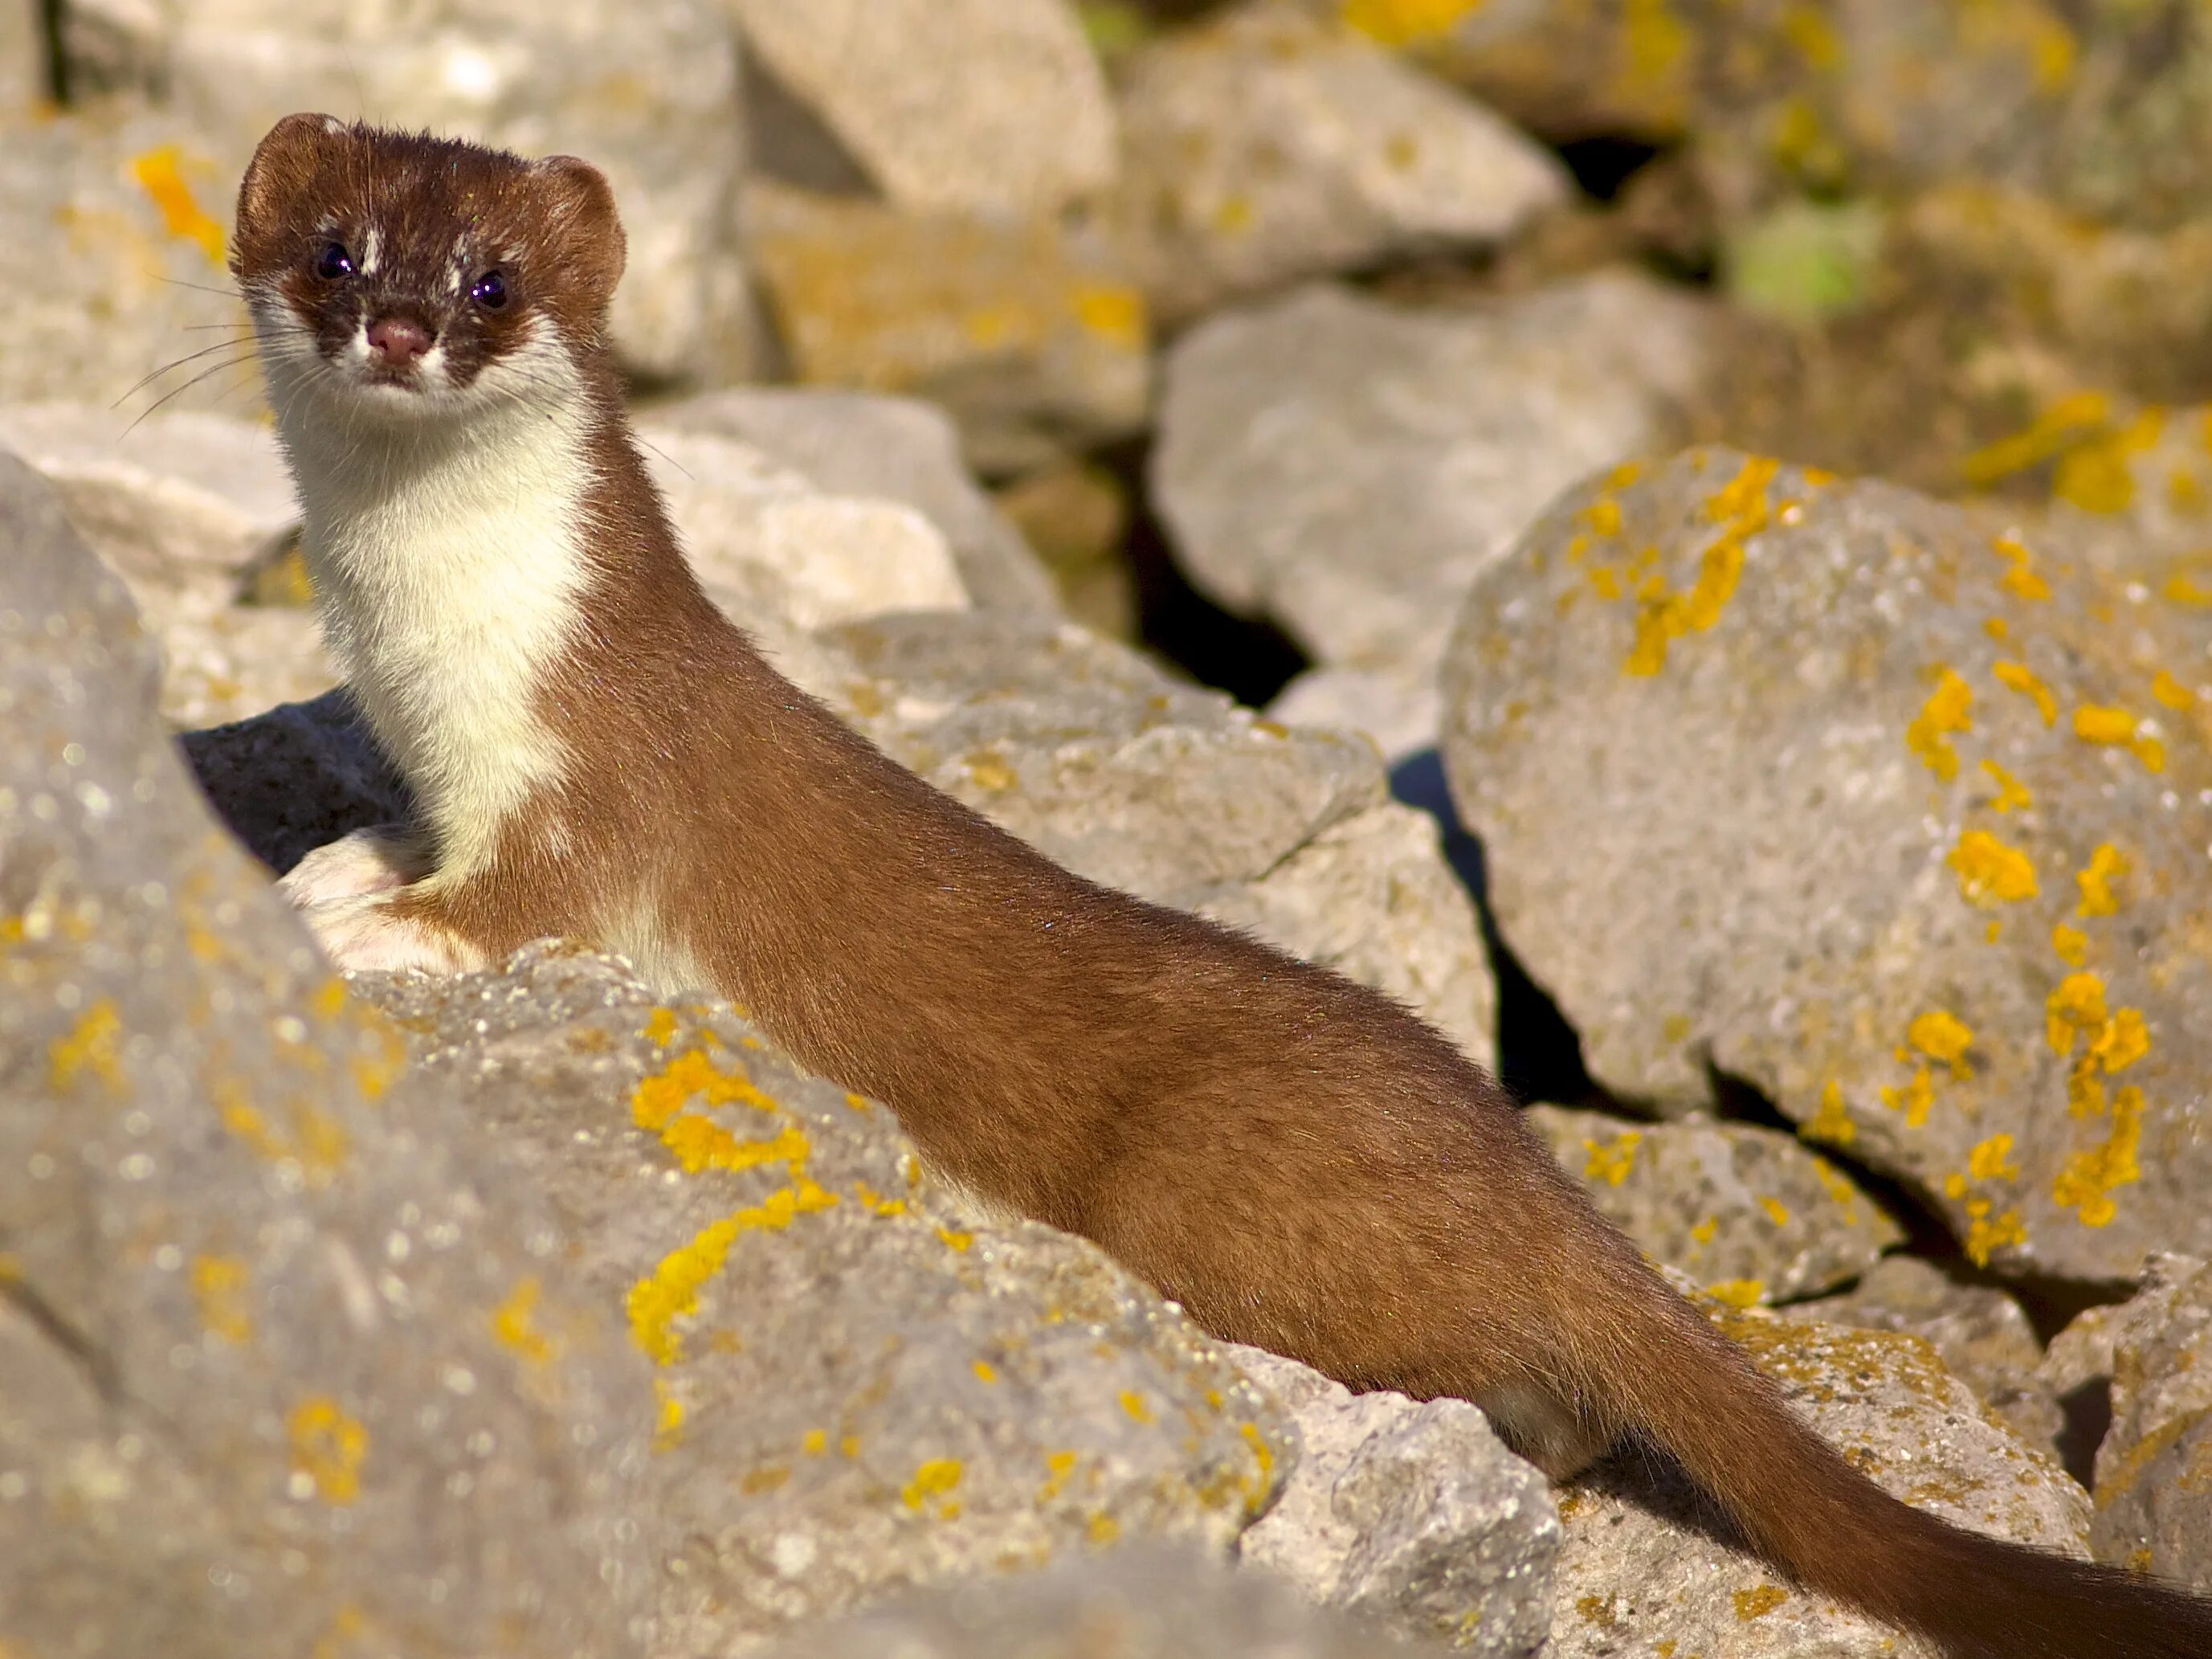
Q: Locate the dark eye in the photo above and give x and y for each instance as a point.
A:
(490, 291)
(333, 263)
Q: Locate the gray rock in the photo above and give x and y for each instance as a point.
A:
(648, 91)
(1028, 331)
(1412, 1514)
(1634, 1576)
(296, 778)
(22, 57)
(111, 243)
(1140, 1603)
(1347, 468)
(1083, 749)
(166, 500)
(1267, 144)
(1749, 1214)
(291, 1356)
(961, 106)
(1398, 707)
(1825, 787)
(861, 1386)
(1981, 1333)
(2155, 1470)
(222, 661)
(898, 449)
(767, 542)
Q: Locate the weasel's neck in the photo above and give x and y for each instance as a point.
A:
(448, 562)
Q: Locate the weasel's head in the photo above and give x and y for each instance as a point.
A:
(411, 277)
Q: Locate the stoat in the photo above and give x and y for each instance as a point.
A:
(596, 752)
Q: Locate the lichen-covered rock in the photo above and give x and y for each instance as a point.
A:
(765, 541)
(1085, 750)
(859, 1386)
(1642, 1576)
(1137, 1603)
(222, 660)
(1028, 333)
(291, 1356)
(647, 90)
(1348, 467)
(898, 449)
(1750, 1215)
(1265, 145)
(2154, 1468)
(1828, 787)
(112, 231)
(1982, 1334)
(1412, 1514)
(959, 106)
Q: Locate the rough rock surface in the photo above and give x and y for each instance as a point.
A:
(766, 542)
(1412, 1514)
(111, 242)
(22, 59)
(1981, 1333)
(1028, 331)
(2155, 1470)
(962, 105)
(1137, 1603)
(1266, 145)
(1749, 1214)
(267, 1305)
(1638, 1580)
(859, 1387)
(1828, 787)
(648, 91)
(899, 449)
(1085, 750)
(1348, 467)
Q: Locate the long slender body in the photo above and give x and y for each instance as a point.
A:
(598, 753)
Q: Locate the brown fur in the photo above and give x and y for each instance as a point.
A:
(1299, 1162)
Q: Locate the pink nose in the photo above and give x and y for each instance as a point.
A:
(396, 342)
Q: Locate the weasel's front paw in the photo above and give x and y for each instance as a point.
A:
(379, 860)
(361, 933)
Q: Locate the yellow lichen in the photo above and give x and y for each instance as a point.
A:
(2097, 477)
(2021, 579)
(1103, 1528)
(2011, 795)
(2170, 692)
(672, 1290)
(2018, 676)
(2106, 864)
(511, 1323)
(1986, 1234)
(1611, 1162)
(1758, 1603)
(1777, 1211)
(2056, 428)
(2095, 723)
(1990, 873)
(1833, 1122)
(815, 1442)
(668, 1420)
(955, 1239)
(2180, 590)
(2086, 1184)
(1943, 1037)
(328, 1446)
(1990, 1160)
(1948, 709)
(2075, 1005)
(1112, 311)
(219, 1284)
(1914, 1100)
(660, 1095)
(1706, 1230)
(932, 1480)
(2071, 944)
(1059, 1466)
(1739, 1292)
(1402, 22)
(1136, 1406)
(985, 1371)
(161, 174)
(93, 1045)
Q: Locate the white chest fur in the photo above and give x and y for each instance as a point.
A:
(447, 559)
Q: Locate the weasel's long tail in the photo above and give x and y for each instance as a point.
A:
(1656, 1365)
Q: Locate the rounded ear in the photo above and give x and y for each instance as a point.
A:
(282, 165)
(591, 230)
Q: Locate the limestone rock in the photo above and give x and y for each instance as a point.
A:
(1828, 787)
(1266, 145)
(898, 449)
(1347, 468)
(222, 662)
(1634, 1576)
(112, 231)
(765, 541)
(1137, 1603)
(1398, 707)
(861, 1386)
(1084, 750)
(291, 1355)
(1028, 333)
(163, 501)
(1750, 1215)
(648, 91)
(1412, 1514)
(1981, 1333)
(959, 106)
(2155, 1470)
